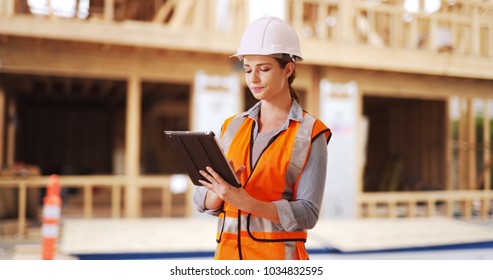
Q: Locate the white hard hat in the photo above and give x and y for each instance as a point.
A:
(269, 36)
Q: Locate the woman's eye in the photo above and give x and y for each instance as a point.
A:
(248, 71)
(264, 69)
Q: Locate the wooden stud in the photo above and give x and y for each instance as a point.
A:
(132, 146)
(430, 207)
(475, 31)
(344, 27)
(22, 209)
(485, 207)
(11, 133)
(449, 210)
(166, 201)
(109, 10)
(372, 205)
(392, 209)
(116, 201)
(471, 141)
(2, 127)
(486, 144)
(412, 208)
(449, 146)
(467, 209)
(88, 201)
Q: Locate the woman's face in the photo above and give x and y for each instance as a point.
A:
(265, 78)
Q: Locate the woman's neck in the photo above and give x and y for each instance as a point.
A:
(273, 115)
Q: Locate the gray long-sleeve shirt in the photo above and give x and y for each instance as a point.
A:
(303, 212)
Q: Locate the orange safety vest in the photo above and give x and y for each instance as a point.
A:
(275, 176)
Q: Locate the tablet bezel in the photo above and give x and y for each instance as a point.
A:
(198, 149)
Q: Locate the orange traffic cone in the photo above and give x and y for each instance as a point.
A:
(52, 205)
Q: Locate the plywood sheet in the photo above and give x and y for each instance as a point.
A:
(171, 235)
(394, 234)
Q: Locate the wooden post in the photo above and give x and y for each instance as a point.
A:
(11, 133)
(7, 8)
(199, 16)
(297, 19)
(414, 33)
(321, 29)
(430, 207)
(345, 30)
(392, 209)
(476, 31)
(486, 144)
(449, 146)
(412, 208)
(166, 201)
(132, 147)
(432, 34)
(466, 213)
(88, 201)
(485, 206)
(449, 210)
(462, 145)
(396, 29)
(22, 209)
(109, 10)
(2, 127)
(471, 141)
(372, 205)
(490, 41)
(115, 201)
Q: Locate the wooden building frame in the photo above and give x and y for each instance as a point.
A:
(387, 50)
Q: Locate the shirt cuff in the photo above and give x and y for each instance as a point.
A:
(199, 201)
(286, 216)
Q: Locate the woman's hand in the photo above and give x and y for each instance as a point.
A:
(223, 190)
(220, 191)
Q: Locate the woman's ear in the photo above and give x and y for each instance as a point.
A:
(289, 69)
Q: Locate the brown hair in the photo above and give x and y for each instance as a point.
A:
(283, 61)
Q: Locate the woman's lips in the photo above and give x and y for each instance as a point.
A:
(256, 89)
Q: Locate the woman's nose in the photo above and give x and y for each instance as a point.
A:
(254, 77)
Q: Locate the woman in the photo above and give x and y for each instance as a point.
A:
(280, 152)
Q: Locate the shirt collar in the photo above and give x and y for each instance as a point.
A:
(295, 113)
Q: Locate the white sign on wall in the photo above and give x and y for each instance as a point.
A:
(338, 110)
(215, 98)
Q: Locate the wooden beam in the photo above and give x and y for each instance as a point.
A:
(132, 146)
(164, 11)
(162, 37)
(181, 13)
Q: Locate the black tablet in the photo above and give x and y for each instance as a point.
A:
(196, 151)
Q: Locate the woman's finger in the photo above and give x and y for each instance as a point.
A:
(207, 176)
(216, 176)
